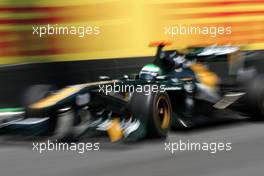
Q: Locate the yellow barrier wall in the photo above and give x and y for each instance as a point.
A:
(126, 26)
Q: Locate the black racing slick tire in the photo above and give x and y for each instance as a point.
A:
(154, 111)
(255, 97)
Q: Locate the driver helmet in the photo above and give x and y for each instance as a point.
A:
(149, 72)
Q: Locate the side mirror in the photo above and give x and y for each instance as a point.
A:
(104, 77)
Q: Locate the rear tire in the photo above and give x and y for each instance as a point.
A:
(255, 97)
(154, 110)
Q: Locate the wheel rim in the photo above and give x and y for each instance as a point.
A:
(163, 112)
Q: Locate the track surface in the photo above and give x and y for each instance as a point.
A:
(145, 158)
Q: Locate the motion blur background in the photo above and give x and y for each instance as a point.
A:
(126, 28)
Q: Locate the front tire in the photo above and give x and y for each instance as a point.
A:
(154, 111)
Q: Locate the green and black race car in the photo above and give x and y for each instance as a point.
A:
(176, 90)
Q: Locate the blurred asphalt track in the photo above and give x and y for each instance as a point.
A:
(145, 158)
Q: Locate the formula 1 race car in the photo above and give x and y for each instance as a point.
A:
(176, 90)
